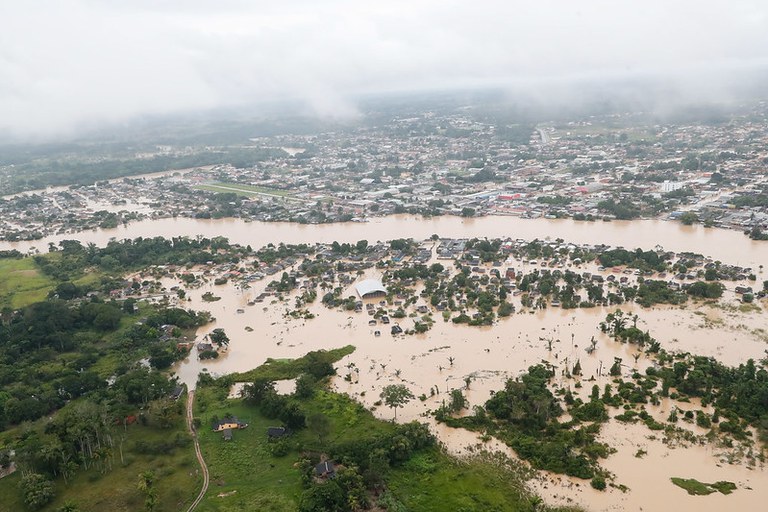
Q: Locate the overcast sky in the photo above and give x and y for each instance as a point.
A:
(65, 64)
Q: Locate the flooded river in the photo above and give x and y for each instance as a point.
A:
(725, 245)
(442, 359)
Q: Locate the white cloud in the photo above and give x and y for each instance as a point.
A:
(65, 63)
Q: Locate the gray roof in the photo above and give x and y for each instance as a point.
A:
(369, 286)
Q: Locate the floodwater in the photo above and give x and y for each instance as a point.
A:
(434, 363)
(725, 245)
(490, 355)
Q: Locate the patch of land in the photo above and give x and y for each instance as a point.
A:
(21, 283)
(696, 488)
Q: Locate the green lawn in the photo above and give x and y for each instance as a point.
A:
(278, 369)
(244, 466)
(434, 481)
(21, 283)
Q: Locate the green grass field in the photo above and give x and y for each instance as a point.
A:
(21, 283)
(634, 134)
(434, 482)
(696, 488)
(116, 489)
(278, 369)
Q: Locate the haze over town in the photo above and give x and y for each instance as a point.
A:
(73, 65)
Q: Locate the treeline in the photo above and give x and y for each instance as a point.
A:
(50, 352)
(72, 258)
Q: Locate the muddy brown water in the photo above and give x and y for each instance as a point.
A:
(728, 246)
(490, 355)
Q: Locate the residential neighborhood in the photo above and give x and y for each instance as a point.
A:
(446, 163)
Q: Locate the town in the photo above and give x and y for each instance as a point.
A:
(447, 162)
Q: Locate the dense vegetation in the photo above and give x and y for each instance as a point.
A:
(71, 258)
(72, 367)
(738, 395)
(82, 397)
(525, 416)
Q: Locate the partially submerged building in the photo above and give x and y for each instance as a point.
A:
(370, 289)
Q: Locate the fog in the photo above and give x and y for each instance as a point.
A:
(69, 65)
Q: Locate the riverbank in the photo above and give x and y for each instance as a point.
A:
(724, 245)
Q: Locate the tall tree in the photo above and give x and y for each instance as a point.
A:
(396, 395)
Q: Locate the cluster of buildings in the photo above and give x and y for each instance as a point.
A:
(456, 163)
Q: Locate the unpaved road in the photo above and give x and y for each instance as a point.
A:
(198, 453)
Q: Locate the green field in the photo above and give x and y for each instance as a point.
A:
(243, 190)
(21, 283)
(244, 468)
(634, 134)
(116, 490)
(278, 369)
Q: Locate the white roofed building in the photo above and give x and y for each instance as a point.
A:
(370, 289)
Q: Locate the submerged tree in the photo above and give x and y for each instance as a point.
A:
(396, 395)
(219, 337)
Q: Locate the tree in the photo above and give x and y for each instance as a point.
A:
(467, 212)
(323, 497)
(108, 319)
(616, 367)
(689, 218)
(37, 489)
(458, 401)
(305, 386)
(219, 337)
(145, 484)
(396, 395)
(320, 425)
